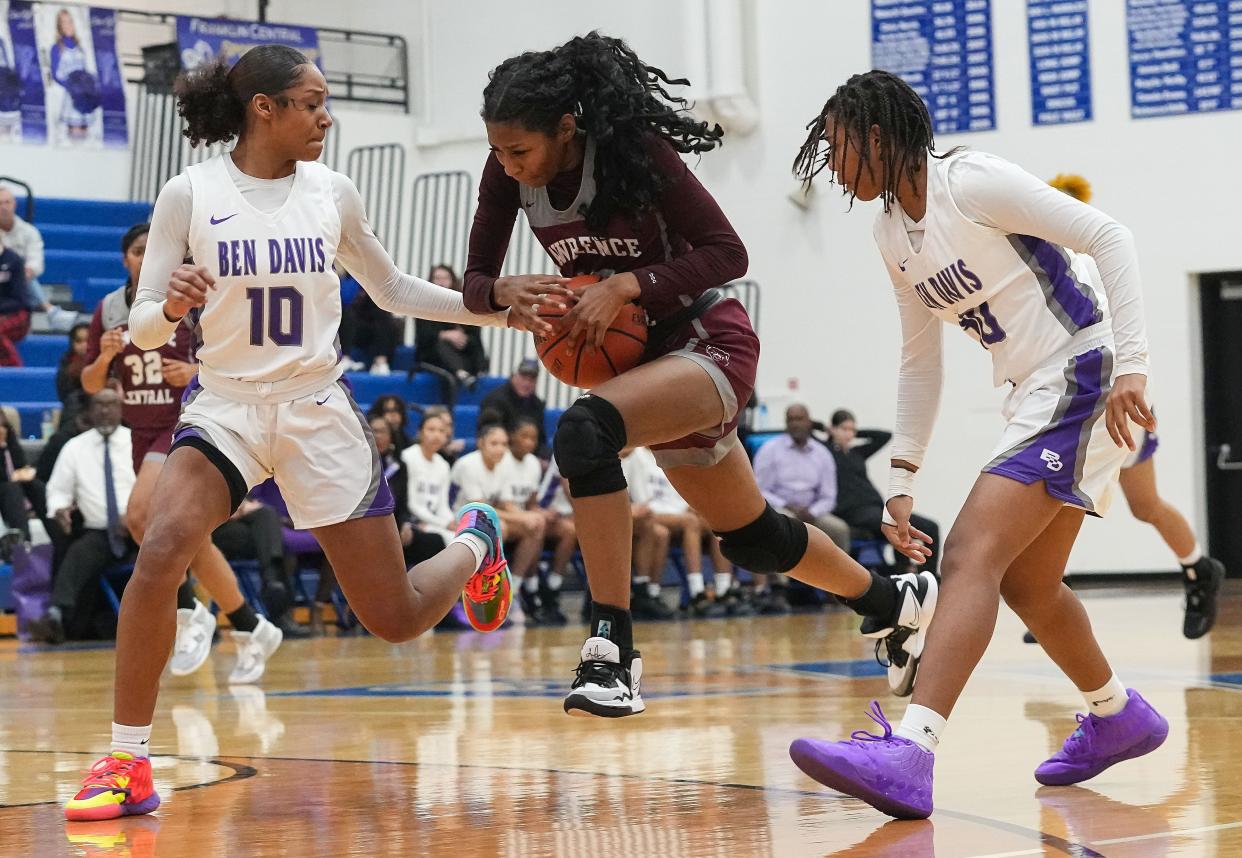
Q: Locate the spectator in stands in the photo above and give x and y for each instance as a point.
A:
(559, 530)
(427, 483)
(20, 490)
(376, 331)
(69, 372)
(859, 503)
(72, 425)
(798, 476)
(516, 398)
(393, 409)
(26, 241)
(458, 349)
(416, 545)
(93, 476)
(539, 597)
(15, 306)
(452, 450)
(650, 542)
(253, 532)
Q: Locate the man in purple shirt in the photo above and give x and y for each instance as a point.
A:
(799, 476)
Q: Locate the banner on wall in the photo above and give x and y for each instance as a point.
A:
(1060, 53)
(201, 40)
(23, 113)
(943, 49)
(83, 90)
(1185, 57)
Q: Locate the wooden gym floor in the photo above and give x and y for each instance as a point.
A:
(456, 745)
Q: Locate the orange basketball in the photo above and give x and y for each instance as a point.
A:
(622, 349)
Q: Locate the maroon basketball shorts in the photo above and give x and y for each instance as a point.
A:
(724, 344)
(152, 444)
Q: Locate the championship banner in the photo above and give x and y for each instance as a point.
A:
(111, 84)
(23, 111)
(203, 39)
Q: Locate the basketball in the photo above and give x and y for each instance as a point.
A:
(622, 349)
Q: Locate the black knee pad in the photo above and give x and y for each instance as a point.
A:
(771, 543)
(588, 443)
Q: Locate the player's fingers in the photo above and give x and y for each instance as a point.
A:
(920, 535)
(1121, 419)
(1144, 416)
(1110, 423)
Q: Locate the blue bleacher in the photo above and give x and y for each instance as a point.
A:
(43, 349)
(423, 389)
(27, 382)
(89, 291)
(550, 418)
(484, 386)
(465, 421)
(31, 413)
(50, 210)
(66, 236)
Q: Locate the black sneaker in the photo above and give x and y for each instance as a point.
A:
(701, 607)
(531, 607)
(550, 607)
(773, 602)
(735, 603)
(605, 684)
(903, 635)
(1201, 592)
(644, 606)
(49, 628)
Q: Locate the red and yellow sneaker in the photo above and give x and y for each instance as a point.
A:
(489, 591)
(117, 785)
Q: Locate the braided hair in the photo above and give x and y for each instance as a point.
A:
(874, 98)
(616, 98)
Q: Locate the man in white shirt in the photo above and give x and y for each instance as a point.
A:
(94, 475)
(26, 241)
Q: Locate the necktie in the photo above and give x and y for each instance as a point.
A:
(115, 540)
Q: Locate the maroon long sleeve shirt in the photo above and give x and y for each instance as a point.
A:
(677, 250)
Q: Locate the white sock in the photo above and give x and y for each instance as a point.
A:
(695, 581)
(724, 582)
(1108, 700)
(922, 726)
(1195, 555)
(531, 583)
(653, 589)
(476, 545)
(555, 581)
(641, 581)
(132, 740)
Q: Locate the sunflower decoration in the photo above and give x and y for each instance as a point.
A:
(1074, 185)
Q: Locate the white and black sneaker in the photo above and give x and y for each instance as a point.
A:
(903, 635)
(604, 685)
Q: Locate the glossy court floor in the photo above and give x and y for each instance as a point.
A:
(456, 745)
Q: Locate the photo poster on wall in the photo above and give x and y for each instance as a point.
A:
(23, 108)
(1059, 42)
(201, 40)
(84, 91)
(1185, 57)
(943, 49)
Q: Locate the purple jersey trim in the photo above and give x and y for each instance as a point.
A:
(1070, 301)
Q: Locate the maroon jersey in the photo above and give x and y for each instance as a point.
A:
(150, 404)
(678, 250)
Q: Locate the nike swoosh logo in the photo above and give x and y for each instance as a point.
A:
(902, 265)
(322, 401)
(215, 222)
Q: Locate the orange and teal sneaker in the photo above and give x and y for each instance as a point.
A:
(117, 785)
(489, 591)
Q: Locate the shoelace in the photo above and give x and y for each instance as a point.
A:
(894, 649)
(483, 586)
(106, 771)
(188, 642)
(1079, 736)
(876, 714)
(599, 672)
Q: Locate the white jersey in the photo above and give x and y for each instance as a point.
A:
(552, 493)
(276, 308)
(472, 481)
(524, 476)
(1023, 298)
(427, 484)
(995, 255)
(649, 485)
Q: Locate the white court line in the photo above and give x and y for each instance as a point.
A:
(1161, 835)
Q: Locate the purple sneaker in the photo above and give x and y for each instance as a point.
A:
(1099, 743)
(892, 774)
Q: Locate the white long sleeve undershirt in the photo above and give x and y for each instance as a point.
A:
(359, 251)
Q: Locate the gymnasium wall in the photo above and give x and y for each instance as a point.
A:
(829, 325)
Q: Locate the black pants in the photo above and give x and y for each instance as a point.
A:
(868, 518)
(77, 581)
(13, 497)
(376, 332)
(423, 547)
(256, 536)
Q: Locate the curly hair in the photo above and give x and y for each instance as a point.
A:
(1074, 185)
(212, 98)
(616, 98)
(874, 98)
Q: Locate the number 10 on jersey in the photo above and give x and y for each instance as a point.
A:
(278, 312)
